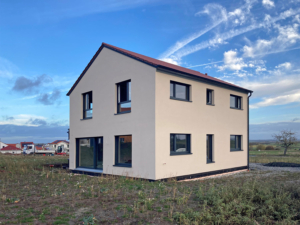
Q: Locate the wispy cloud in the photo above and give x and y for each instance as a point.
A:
(218, 15)
(205, 64)
(7, 68)
(221, 38)
(279, 100)
(268, 4)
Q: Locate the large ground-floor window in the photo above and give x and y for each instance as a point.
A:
(180, 144)
(123, 154)
(89, 152)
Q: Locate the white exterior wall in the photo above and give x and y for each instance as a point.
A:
(2, 145)
(197, 119)
(11, 151)
(108, 69)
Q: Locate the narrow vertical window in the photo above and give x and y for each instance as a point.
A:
(179, 91)
(88, 105)
(209, 148)
(235, 142)
(123, 154)
(124, 97)
(235, 102)
(209, 97)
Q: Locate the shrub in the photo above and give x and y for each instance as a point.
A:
(270, 147)
(261, 147)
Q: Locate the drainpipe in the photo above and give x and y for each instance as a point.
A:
(248, 127)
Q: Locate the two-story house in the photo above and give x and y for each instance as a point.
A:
(136, 116)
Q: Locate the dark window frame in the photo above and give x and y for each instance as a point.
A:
(207, 96)
(117, 137)
(211, 150)
(188, 140)
(95, 152)
(174, 91)
(84, 105)
(123, 102)
(238, 99)
(238, 143)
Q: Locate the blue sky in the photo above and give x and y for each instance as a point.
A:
(45, 45)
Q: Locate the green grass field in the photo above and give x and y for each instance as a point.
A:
(33, 194)
(266, 156)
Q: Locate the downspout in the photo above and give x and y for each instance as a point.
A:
(248, 127)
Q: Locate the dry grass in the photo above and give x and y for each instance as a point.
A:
(32, 194)
(267, 156)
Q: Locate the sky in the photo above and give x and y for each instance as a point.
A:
(45, 45)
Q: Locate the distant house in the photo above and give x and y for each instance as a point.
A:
(15, 145)
(2, 145)
(141, 117)
(54, 145)
(11, 150)
(23, 144)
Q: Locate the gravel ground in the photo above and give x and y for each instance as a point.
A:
(260, 167)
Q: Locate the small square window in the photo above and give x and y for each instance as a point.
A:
(179, 91)
(235, 102)
(87, 105)
(209, 97)
(235, 142)
(124, 97)
(180, 144)
(123, 151)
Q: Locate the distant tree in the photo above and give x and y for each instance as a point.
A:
(260, 147)
(286, 139)
(270, 147)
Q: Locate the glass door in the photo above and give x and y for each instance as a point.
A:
(89, 153)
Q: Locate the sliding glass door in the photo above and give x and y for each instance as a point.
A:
(89, 152)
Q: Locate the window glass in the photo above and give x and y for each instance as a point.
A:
(124, 151)
(172, 90)
(124, 97)
(209, 96)
(86, 153)
(235, 142)
(232, 141)
(179, 143)
(99, 152)
(232, 101)
(180, 91)
(88, 105)
(209, 148)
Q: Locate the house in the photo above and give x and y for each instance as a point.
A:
(18, 145)
(141, 117)
(25, 144)
(11, 150)
(55, 144)
(2, 145)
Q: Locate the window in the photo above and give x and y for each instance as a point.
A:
(209, 97)
(235, 142)
(87, 105)
(209, 148)
(179, 91)
(235, 102)
(123, 156)
(180, 144)
(124, 97)
(89, 152)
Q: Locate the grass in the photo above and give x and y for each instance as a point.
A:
(33, 194)
(267, 156)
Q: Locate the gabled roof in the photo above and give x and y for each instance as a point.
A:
(57, 141)
(13, 145)
(10, 148)
(157, 64)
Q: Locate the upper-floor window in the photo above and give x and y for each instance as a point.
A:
(235, 142)
(180, 144)
(179, 91)
(235, 102)
(124, 97)
(87, 105)
(209, 97)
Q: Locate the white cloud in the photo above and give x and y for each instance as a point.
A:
(22, 119)
(297, 19)
(169, 60)
(218, 15)
(7, 68)
(268, 3)
(286, 65)
(232, 62)
(221, 38)
(278, 100)
(287, 36)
